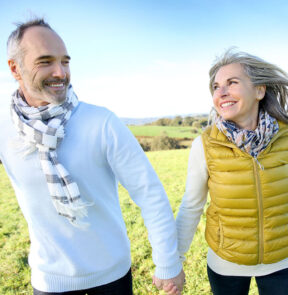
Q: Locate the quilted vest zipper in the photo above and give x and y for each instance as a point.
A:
(260, 211)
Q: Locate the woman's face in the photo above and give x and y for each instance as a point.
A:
(235, 98)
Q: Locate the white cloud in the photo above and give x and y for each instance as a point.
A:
(163, 88)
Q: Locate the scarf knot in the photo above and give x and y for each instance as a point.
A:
(250, 141)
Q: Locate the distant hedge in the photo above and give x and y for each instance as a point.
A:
(158, 143)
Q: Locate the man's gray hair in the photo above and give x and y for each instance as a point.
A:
(261, 73)
(14, 50)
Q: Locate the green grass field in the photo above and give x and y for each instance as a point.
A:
(171, 167)
(172, 131)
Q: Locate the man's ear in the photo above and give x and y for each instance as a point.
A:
(14, 68)
(260, 92)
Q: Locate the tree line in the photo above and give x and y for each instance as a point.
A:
(196, 121)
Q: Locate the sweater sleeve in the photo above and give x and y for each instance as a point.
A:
(194, 198)
(134, 171)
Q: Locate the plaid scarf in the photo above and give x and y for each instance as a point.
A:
(250, 141)
(42, 129)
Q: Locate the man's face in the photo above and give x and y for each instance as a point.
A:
(44, 74)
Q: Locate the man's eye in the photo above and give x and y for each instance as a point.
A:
(232, 82)
(44, 62)
(65, 62)
(215, 87)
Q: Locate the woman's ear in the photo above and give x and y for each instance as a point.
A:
(14, 68)
(260, 92)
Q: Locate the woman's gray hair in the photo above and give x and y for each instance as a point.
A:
(275, 101)
(14, 50)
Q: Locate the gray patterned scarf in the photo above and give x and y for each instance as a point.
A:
(42, 129)
(250, 141)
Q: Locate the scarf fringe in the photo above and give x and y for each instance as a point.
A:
(22, 146)
(74, 212)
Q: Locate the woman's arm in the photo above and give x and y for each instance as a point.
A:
(194, 198)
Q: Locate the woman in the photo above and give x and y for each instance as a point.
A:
(242, 160)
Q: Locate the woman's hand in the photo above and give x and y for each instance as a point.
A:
(172, 286)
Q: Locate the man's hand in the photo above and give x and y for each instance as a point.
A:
(172, 286)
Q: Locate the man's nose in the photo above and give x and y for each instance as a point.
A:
(59, 71)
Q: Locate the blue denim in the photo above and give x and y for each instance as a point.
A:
(273, 284)
(122, 286)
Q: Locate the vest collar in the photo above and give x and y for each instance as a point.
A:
(214, 135)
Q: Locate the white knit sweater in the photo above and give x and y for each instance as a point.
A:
(98, 150)
(190, 211)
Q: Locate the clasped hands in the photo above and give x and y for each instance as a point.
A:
(173, 286)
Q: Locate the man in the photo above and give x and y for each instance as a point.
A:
(66, 183)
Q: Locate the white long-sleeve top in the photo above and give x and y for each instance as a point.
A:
(190, 211)
(98, 150)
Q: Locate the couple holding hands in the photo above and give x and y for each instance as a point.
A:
(65, 158)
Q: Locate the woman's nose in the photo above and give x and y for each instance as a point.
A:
(223, 90)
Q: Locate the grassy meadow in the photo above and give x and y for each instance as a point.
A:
(171, 167)
(171, 131)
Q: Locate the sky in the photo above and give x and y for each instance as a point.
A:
(149, 58)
